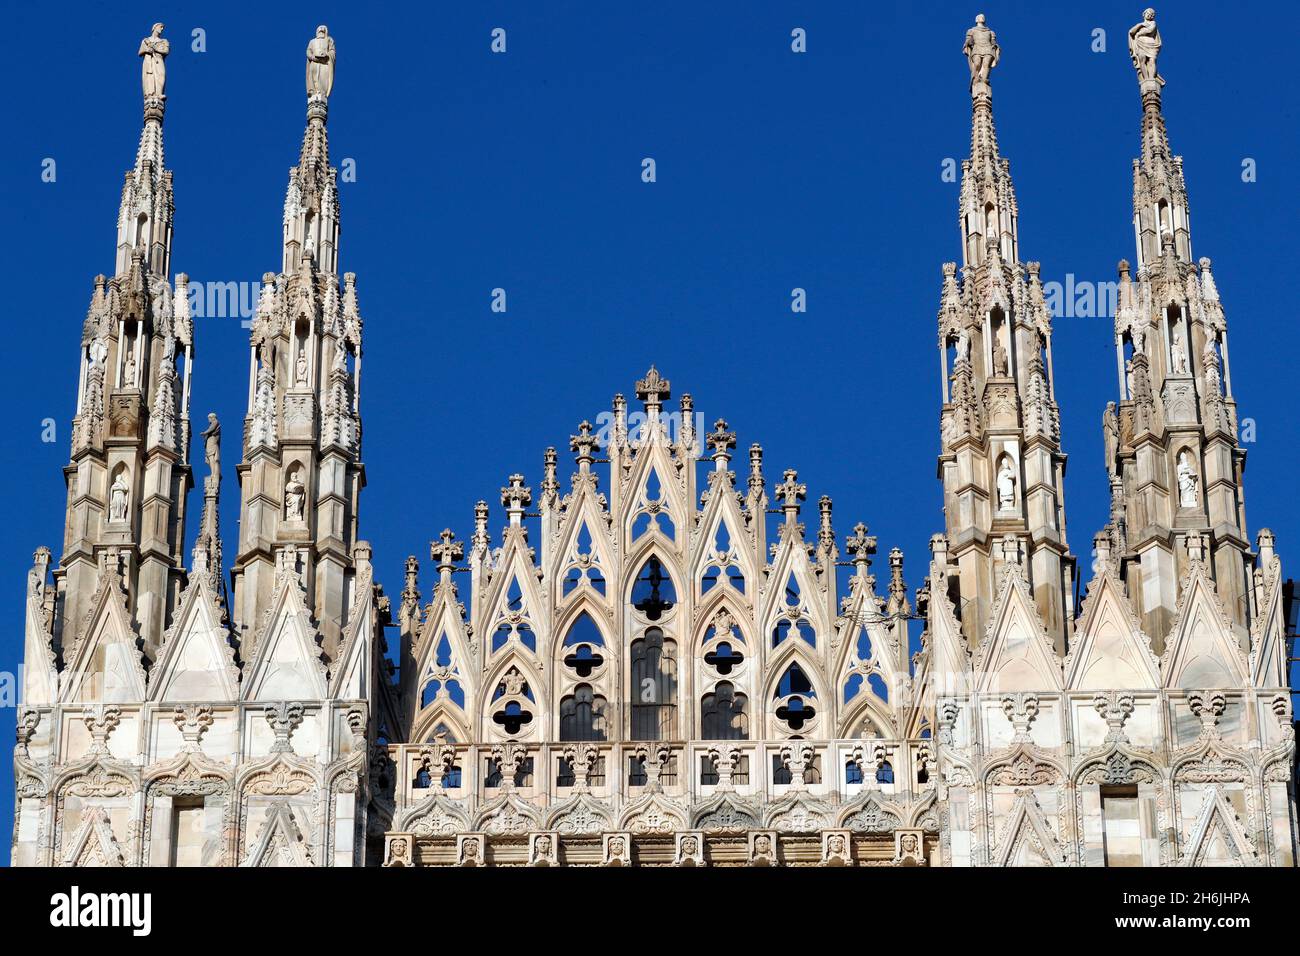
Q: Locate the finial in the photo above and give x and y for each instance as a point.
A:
(654, 389)
(982, 52)
(1143, 49)
(153, 72)
(720, 440)
(584, 444)
(446, 550)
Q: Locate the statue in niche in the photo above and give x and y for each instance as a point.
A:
(1006, 485)
(982, 52)
(300, 368)
(320, 63)
(1144, 47)
(295, 497)
(153, 68)
(963, 346)
(128, 367)
(117, 501)
(999, 359)
(1187, 481)
(1210, 362)
(98, 352)
(1139, 339)
(1128, 377)
(1179, 353)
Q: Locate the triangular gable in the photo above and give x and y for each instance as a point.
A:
(106, 664)
(1217, 838)
(40, 679)
(791, 561)
(515, 566)
(353, 673)
(653, 456)
(1267, 634)
(94, 843)
(583, 511)
(1201, 650)
(197, 662)
(280, 842)
(722, 510)
(287, 661)
(1110, 651)
(1017, 654)
(950, 661)
(1027, 839)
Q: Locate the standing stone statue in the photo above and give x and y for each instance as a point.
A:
(295, 496)
(300, 373)
(999, 360)
(1144, 47)
(117, 499)
(963, 346)
(981, 51)
(1187, 481)
(1179, 353)
(1006, 486)
(1110, 432)
(153, 75)
(1210, 363)
(128, 370)
(212, 447)
(320, 63)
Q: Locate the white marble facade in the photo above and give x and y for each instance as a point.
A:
(667, 659)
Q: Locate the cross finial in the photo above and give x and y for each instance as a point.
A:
(791, 490)
(861, 545)
(446, 550)
(653, 389)
(584, 444)
(720, 440)
(515, 496)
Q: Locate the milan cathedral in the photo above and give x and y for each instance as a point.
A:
(655, 663)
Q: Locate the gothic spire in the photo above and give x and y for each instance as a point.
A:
(1001, 459)
(1171, 443)
(304, 423)
(311, 201)
(988, 199)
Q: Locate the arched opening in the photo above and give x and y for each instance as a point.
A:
(654, 686)
(723, 715)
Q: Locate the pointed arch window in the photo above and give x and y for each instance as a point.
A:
(654, 686)
(723, 714)
(653, 593)
(582, 715)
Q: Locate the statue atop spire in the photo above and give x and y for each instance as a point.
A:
(320, 64)
(982, 52)
(1144, 48)
(153, 67)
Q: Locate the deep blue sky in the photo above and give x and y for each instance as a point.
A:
(522, 171)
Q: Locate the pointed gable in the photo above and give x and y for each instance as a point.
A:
(1217, 838)
(1028, 840)
(94, 843)
(40, 680)
(106, 665)
(197, 662)
(1110, 651)
(1201, 650)
(287, 661)
(353, 674)
(280, 842)
(1017, 654)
